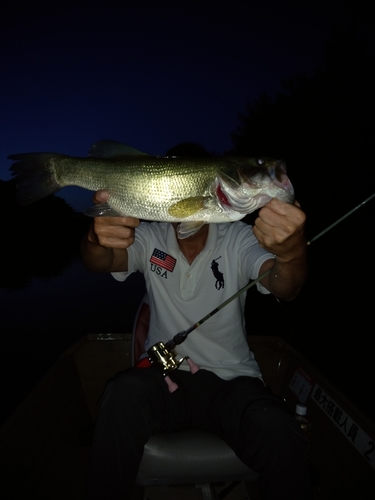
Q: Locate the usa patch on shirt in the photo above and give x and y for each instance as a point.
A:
(163, 260)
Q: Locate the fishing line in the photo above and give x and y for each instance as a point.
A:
(181, 336)
(341, 219)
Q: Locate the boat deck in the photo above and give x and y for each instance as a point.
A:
(45, 444)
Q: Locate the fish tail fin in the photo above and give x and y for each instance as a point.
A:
(35, 175)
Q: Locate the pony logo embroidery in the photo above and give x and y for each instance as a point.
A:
(218, 275)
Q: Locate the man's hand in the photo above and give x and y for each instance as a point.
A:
(104, 248)
(279, 229)
(111, 232)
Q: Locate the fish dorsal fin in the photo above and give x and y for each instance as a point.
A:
(101, 210)
(188, 228)
(110, 149)
(186, 207)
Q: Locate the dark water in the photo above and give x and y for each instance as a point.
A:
(331, 323)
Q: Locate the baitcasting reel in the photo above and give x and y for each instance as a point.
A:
(163, 355)
(165, 360)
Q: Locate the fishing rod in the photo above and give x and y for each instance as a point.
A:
(161, 353)
(341, 219)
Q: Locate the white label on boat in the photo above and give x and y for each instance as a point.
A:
(356, 436)
(301, 385)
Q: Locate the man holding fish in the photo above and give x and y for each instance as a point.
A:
(227, 394)
(194, 255)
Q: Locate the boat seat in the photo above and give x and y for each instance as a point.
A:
(189, 456)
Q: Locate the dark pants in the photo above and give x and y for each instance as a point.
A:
(257, 425)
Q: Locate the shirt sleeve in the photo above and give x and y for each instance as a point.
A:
(121, 276)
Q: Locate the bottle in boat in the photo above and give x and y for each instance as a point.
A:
(301, 416)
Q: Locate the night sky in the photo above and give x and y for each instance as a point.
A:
(150, 76)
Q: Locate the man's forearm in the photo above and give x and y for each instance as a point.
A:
(95, 257)
(285, 279)
(100, 258)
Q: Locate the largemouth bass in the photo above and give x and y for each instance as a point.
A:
(192, 191)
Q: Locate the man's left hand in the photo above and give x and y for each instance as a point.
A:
(279, 229)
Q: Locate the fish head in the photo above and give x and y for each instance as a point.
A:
(246, 184)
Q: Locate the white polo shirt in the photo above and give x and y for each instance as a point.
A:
(181, 294)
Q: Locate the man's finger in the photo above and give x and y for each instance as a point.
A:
(100, 196)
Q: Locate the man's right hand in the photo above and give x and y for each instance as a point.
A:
(104, 247)
(111, 232)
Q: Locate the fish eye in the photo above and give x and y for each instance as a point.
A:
(260, 161)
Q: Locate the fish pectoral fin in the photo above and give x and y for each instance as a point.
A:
(188, 206)
(188, 228)
(101, 210)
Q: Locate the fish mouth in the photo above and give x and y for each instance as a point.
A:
(253, 192)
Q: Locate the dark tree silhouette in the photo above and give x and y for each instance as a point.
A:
(322, 126)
